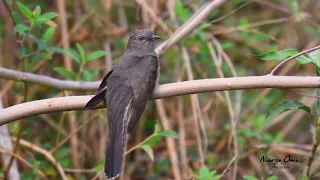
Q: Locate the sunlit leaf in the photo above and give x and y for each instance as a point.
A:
(204, 26)
(25, 10)
(157, 128)
(100, 165)
(96, 55)
(81, 52)
(315, 56)
(279, 55)
(148, 150)
(48, 34)
(205, 174)
(153, 141)
(284, 54)
(169, 133)
(72, 54)
(66, 73)
(46, 17)
(37, 11)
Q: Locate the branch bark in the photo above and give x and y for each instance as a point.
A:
(24, 110)
(47, 81)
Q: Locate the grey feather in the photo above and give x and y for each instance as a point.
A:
(127, 89)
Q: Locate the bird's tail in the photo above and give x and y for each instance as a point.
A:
(119, 115)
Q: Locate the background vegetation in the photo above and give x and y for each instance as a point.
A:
(81, 39)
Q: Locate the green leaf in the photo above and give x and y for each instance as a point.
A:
(22, 51)
(100, 165)
(89, 75)
(157, 128)
(250, 178)
(318, 102)
(48, 34)
(81, 52)
(205, 174)
(182, 12)
(285, 106)
(244, 21)
(279, 55)
(304, 60)
(67, 52)
(153, 141)
(20, 28)
(282, 55)
(204, 26)
(37, 11)
(46, 17)
(25, 10)
(73, 55)
(96, 55)
(148, 150)
(17, 18)
(315, 56)
(272, 178)
(169, 133)
(66, 73)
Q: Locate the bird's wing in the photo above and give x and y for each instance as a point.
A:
(119, 97)
(101, 92)
(145, 75)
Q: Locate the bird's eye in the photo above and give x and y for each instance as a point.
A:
(141, 38)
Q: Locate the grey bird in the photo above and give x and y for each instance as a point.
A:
(125, 90)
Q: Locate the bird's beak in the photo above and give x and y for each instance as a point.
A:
(155, 37)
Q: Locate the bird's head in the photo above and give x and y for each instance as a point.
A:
(142, 40)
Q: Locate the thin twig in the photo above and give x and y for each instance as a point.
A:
(316, 142)
(170, 142)
(44, 152)
(228, 167)
(196, 112)
(230, 13)
(24, 162)
(293, 57)
(252, 25)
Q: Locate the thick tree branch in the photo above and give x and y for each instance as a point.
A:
(24, 110)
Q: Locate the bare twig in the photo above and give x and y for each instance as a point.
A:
(252, 25)
(23, 161)
(218, 62)
(64, 31)
(170, 141)
(232, 12)
(316, 142)
(47, 154)
(153, 15)
(228, 167)
(196, 112)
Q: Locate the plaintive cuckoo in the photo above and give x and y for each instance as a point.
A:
(125, 91)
